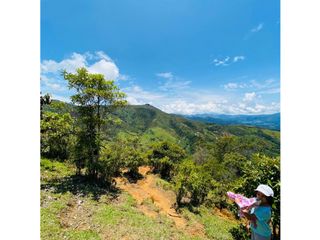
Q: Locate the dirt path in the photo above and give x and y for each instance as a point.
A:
(146, 190)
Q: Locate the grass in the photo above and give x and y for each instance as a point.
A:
(157, 134)
(124, 220)
(216, 227)
(165, 185)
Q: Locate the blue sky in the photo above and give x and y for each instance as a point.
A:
(186, 57)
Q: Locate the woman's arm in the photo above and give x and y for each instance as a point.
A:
(249, 216)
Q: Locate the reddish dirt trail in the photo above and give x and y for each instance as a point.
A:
(146, 189)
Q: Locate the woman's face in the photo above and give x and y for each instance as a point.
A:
(260, 195)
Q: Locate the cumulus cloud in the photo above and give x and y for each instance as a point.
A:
(248, 97)
(107, 68)
(70, 64)
(257, 28)
(98, 62)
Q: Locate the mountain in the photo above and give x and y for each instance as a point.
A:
(151, 124)
(270, 121)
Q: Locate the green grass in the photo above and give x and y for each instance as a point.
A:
(157, 134)
(51, 169)
(216, 227)
(165, 185)
(125, 219)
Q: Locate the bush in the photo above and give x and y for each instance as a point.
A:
(191, 181)
(56, 135)
(240, 233)
(164, 156)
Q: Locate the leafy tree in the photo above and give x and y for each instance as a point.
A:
(109, 163)
(132, 155)
(56, 135)
(95, 98)
(163, 157)
(192, 181)
(222, 146)
(44, 100)
(234, 162)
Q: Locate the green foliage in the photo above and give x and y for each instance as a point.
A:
(120, 153)
(44, 100)
(56, 135)
(92, 93)
(132, 154)
(163, 156)
(191, 181)
(240, 232)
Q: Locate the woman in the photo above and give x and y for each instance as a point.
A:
(260, 216)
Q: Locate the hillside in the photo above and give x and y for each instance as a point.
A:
(73, 209)
(270, 121)
(153, 124)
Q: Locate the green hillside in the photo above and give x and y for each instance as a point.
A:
(153, 124)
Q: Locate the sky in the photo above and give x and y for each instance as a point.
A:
(184, 57)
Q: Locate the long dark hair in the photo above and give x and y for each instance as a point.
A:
(270, 200)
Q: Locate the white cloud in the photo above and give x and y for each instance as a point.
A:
(257, 28)
(166, 75)
(238, 58)
(71, 64)
(184, 107)
(52, 84)
(177, 85)
(102, 63)
(221, 62)
(107, 68)
(248, 97)
(201, 101)
(137, 96)
(226, 61)
(231, 85)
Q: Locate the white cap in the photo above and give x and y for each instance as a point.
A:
(265, 189)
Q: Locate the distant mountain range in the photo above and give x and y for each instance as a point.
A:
(270, 121)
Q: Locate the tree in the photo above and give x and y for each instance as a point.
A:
(44, 100)
(56, 135)
(163, 157)
(95, 97)
(132, 155)
(192, 181)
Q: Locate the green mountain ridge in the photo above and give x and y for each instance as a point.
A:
(152, 124)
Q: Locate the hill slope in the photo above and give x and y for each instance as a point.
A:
(73, 209)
